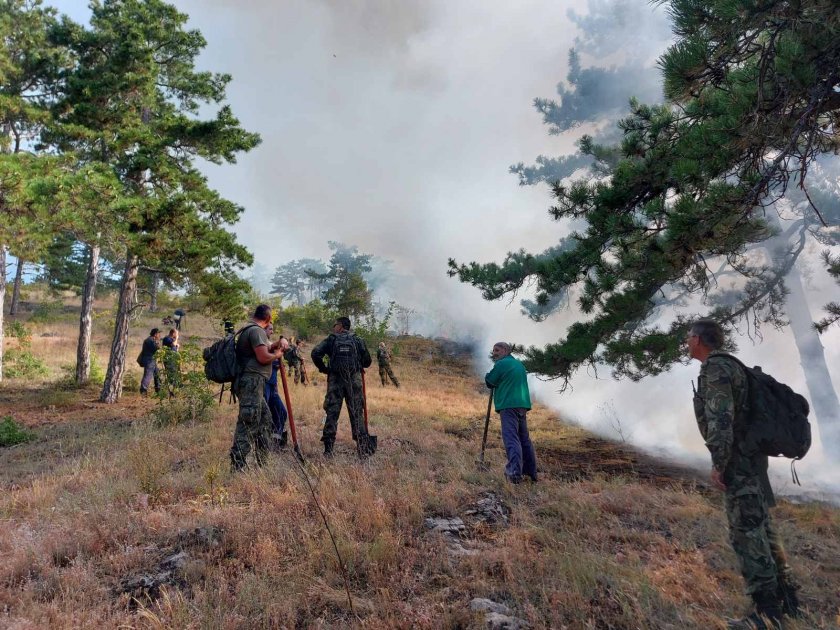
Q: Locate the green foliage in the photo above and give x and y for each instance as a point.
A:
(12, 433)
(349, 295)
(298, 280)
(48, 311)
(16, 329)
(373, 329)
(309, 320)
(19, 362)
(185, 395)
(688, 189)
(832, 308)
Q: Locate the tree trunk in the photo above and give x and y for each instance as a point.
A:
(86, 318)
(824, 402)
(826, 405)
(153, 307)
(2, 301)
(112, 388)
(13, 309)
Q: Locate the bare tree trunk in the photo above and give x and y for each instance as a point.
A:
(824, 399)
(2, 301)
(13, 309)
(86, 318)
(112, 388)
(153, 307)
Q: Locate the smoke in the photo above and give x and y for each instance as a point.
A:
(391, 126)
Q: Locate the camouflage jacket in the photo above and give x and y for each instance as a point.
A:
(383, 357)
(719, 401)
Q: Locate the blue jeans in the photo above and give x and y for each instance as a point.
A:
(275, 405)
(522, 459)
(150, 373)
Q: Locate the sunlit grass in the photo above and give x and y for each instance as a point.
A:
(103, 495)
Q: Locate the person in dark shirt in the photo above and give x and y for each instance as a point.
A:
(148, 363)
(347, 355)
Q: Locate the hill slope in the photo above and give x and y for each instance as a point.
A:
(110, 520)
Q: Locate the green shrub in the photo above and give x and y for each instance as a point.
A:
(96, 376)
(16, 329)
(310, 320)
(374, 330)
(185, 395)
(47, 312)
(20, 362)
(12, 433)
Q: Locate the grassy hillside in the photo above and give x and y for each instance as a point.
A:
(110, 520)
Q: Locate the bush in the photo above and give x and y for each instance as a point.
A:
(47, 312)
(96, 377)
(310, 320)
(12, 433)
(16, 329)
(374, 330)
(20, 362)
(185, 395)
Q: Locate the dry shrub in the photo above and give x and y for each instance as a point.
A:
(149, 465)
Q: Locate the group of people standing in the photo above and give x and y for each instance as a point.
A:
(720, 403)
(341, 356)
(148, 360)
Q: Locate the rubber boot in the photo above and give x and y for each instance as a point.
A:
(767, 615)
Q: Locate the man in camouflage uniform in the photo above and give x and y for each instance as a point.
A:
(347, 356)
(719, 404)
(295, 360)
(255, 355)
(383, 358)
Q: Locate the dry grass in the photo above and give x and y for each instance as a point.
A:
(607, 539)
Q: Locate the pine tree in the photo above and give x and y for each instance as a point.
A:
(29, 63)
(133, 103)
(752, 100)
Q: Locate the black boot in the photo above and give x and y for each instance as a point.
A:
(788, 595)
(328, 446)
(767, 615)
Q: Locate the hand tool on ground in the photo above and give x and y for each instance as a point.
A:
(292, 430)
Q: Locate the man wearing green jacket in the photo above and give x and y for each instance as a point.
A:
(509, 382)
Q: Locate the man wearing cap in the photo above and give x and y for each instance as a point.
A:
(509, 382)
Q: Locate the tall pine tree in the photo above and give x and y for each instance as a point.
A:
(133, 102)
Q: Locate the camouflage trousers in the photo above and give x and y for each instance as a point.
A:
(294, 368)
(759, 548)
(344, 388)
(385, 369)
(254, 422)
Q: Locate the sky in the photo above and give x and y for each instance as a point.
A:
(391, 126)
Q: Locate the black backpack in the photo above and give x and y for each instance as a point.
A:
(345, 354)
(221, 363)
(776, 417)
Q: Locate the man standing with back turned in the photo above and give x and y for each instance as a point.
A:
(347, 356)
(509, 381)
(254, 353)
(719, 405)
